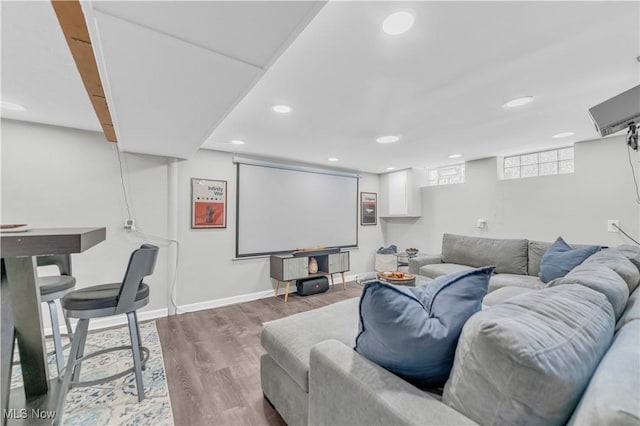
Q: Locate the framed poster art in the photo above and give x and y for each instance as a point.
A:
(208, 203)
(368, 208)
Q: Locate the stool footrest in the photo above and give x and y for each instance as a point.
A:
(79, 384)
(17, 359)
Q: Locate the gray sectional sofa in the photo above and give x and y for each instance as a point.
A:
(569, 352)
(517, 261)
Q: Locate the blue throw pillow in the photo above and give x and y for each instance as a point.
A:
(560, 258)
(413, 332)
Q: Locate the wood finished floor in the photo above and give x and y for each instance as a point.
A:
(212, 358)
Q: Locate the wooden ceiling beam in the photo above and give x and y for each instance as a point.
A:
(74, 27)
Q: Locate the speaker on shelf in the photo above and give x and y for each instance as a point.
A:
(315, 285)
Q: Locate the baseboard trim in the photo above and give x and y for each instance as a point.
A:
(101, 323)
(218, 303)
(226, 301)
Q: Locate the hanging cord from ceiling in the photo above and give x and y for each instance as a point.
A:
(633, 173)
(156, 237)
(626, 235)
(124, 189)
(175, 275)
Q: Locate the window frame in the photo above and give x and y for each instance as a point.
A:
(520, 161)
(452, 179)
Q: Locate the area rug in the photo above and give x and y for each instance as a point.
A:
(115, 402)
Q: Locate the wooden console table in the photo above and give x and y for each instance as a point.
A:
(286, 268)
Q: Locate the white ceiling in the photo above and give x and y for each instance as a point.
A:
(38, 71)
(173, 70)
(440, 86)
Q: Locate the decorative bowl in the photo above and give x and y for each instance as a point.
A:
(399, 278)
(411, 251)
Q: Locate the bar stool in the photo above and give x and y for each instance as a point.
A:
(53, 288)
(108, 300)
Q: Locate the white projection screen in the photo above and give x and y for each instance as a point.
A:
(281, 209)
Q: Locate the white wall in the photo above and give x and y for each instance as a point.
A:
(54, 176)
(575, 206)
(59, 177)
(207, 270)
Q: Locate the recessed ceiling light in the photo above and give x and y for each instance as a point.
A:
(12, 106)
(518, 102)
(237, 142)
(282, 109)
(332, 159)
(388, 139)
(563, 135)
(455, 155)
(398, 23)
(391, 168)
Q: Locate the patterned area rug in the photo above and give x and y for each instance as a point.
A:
(114, 402)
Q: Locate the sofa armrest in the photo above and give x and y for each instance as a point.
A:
(347, 389)
(415, 263)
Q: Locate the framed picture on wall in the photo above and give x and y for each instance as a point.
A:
(368, 208)
(208, 203)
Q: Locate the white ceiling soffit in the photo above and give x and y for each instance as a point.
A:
(173, 70)
(38, 71)
(441, 85)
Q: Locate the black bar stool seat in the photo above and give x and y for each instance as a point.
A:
(106, 300)
(99, 297)
(55, 284)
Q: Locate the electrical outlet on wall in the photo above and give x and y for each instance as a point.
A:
(130, 225)
(610, 223)
(481, 223)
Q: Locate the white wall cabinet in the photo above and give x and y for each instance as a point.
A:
(400, 193)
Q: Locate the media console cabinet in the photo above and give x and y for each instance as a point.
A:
(286, 268)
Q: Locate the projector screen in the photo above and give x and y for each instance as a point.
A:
(281, 209)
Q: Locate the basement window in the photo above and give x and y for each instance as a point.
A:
(446, 175)
(541, 163)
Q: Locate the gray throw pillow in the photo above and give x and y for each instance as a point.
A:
(528, 359)
(600, 278)
(617, 261)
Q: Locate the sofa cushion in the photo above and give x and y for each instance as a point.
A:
(632, 253)
(502, 294)
(537, 249)
(613, 395)
(631, 311)
(601, 279)
(508, 256)
(439, 269)
(413, 332)
(553, 338)
(514, 280)
(386, 262)
(560, 258)
(616, 260)
(289, 340)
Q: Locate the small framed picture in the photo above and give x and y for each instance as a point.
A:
(368, 208)
(208, 203)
